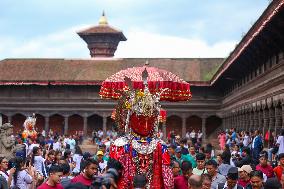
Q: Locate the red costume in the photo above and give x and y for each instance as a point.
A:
(140, 151)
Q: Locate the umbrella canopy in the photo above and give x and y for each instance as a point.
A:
(158, 79)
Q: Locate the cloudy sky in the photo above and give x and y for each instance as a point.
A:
(154, 28)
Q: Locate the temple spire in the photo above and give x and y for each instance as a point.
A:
(103, 39)
(103, 19)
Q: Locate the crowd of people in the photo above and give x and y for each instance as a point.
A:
(54, 161)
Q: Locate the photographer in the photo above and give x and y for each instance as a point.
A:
(90, 170)
(110, 179)
(106, 181)
(23, 175)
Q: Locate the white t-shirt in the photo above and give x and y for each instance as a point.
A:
(199, 135)
(39, 164)
(103, 165)
(198, 171)
(246, 140)
(65, 141)
(187, 135)
(192, 135)
(107, 144)
(100, 133)
(280, 141)
(5, 175)
(72, 143)
(77, 159)
(56, 146)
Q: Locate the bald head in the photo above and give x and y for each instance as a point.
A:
(195, 182)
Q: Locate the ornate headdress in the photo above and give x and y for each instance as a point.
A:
(29, 127)
(138, 111)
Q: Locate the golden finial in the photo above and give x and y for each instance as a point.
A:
(103, 19)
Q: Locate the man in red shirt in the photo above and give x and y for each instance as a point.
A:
(181, 181)
(263, 166)
(90, 170)
(53, 182)
(280, 168)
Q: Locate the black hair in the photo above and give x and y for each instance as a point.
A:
(281, 155)
(185, 166)
(90, 161)
(78, 150)
(57, 152)
(263, 153)
(225, 159)
(282, 132)
(67, 147)
(256, 174)
(183, 141)
(34, 151)
(66, 153)
(113, 163)
(51, 152)
(55, 169)
(50, 146)
(17, 163)
(208, 151)
(246, 150)
(82, 165)
(200, 156)
(212, 162)
(65, 168)
(139, 181)
(209, 147)
(1, 159)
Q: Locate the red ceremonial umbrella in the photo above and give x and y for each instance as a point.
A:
(158, 79)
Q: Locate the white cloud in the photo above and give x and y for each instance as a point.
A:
(62, 44)
(67, 44)
(143, 44)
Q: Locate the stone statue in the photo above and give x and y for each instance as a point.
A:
(8, 146)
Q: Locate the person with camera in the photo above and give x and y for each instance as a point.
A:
(90, 170)
(53, 181)
(24, 175)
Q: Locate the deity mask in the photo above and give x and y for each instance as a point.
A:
(142, 125)
(138, 110)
